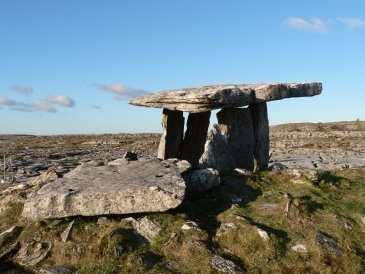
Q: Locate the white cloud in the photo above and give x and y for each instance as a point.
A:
(21, 89)
(6, 102)
(43, 105)
(23, 107)
(351, 23)
(313, 25)
(60, 100)
(123, 92)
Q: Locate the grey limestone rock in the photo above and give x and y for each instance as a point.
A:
(217, 154)
(206, 98)
(328, 242)
(195, 137)
(200, 180)
(223, 265)
(58, 270)
(172, 136)
(146, 228)
(33, 253)
(261, 135)
(66, 234)
(237, 126)
(146, 185)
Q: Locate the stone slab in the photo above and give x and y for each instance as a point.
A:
(121, 187)
(206, 98)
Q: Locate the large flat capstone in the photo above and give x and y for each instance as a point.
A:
(121, 187)
(206, 98)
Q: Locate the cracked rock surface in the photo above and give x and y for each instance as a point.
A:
(120, 187)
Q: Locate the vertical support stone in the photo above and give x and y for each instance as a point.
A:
(195, 137)
(173, 131)
(261, 135)
(237, 126)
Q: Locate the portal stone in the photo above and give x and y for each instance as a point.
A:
(195, 137)
(173, 131)
(237, 127)
(261, 135)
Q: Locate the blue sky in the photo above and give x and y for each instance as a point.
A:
(69, 66)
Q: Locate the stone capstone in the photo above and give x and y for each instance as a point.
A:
(121, 187)
(207, 98)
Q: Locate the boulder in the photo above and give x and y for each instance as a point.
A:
(145, 185)
(207, 98)
(216, 152)
(200, 180)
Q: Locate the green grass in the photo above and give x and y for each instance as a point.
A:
(336, 199)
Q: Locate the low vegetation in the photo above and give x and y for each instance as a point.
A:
(290, 206)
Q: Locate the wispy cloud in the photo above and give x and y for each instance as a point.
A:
(43, 105)
(123, 92)
(21, 89)
(61, 100)
(95, 107)
(352, 23)
(313, 25)
(6, 102)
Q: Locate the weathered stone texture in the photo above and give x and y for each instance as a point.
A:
(261, 136)
(146, 185)
(195, 137)
(206, 98)
(237, 127)
(216, 154)
(173, 132)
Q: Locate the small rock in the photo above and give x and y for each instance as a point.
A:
(363, 219)
(313, 175)
(263, 234)
(9, 235)
(295, 173)
(328, 243)
(201, 180)
(347, 226)
(130, 156)
(58, 270)
(225, 228)
(67, 232)
(190, 225)
(146, 228)
(33, 253)
(102, 220)
(278, 166)
(225, 266)
(300, 248)
(243, 171)
(269, 207)
(10, 251)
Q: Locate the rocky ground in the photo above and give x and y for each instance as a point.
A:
(309, 218)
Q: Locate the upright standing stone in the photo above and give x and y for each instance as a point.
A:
(195, 137)
(236, 125)
(261, 135)
(217, 153)
(173, 131)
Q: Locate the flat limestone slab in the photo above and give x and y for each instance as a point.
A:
(206, 98)
(121, 187)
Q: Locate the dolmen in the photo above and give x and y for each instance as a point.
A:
(241, 138)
